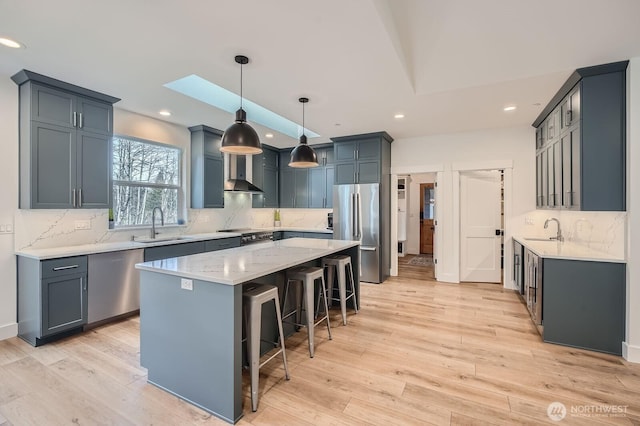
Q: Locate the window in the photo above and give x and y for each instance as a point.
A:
(145, 175)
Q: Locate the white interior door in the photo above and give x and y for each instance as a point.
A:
(480, 220)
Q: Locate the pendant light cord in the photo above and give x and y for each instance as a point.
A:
(303, 118)
(240, 85)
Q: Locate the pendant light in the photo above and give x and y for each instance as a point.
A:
(303, 155)
(240, 137)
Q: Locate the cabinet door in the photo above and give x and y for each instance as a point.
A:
(576, 182)
(567, 171)
(93, 159)
(345, 173)
(557, 174)
(317, 187)
(221, 244)
(213, 181)
(52, 106)
(53, 166)
(328, 194)
(368, 172)
(287, 187)
(270, 187)
(539, 179)
(368, 149)
(64, 303)
(94, 116)
(553, 125)
(329, 156)
(174, 250)
(301, 198)
(344, 151)
(544, 173)
(574, 100)
(269, 158)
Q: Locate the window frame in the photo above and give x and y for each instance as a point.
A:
(180, 208)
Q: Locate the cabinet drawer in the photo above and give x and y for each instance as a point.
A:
(63, 266)
(221, 244)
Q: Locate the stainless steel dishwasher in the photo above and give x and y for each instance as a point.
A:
(113, 284)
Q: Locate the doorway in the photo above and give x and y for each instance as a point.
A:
(427, 217)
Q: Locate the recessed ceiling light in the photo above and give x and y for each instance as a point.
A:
(269, 135)
(10, 43)
(337, 124)
(510, 108)
(165, 113)
(398, 116)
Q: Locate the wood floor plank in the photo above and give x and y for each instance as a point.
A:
(418, 352)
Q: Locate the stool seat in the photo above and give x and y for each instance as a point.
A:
(254, 295)
(340, 263)
(307, 276)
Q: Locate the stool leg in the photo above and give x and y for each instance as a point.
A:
(330, 279)
(281, 335)
(253, 338)
(353, 288)
(308, 302)
(342, 289)
(326, 308)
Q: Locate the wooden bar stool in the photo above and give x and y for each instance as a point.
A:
(254, 295)
(307, 277)
(340, 263)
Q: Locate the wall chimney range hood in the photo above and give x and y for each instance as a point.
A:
(237, 176)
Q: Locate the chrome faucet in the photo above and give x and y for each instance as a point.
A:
(153, 221)
(558, 236)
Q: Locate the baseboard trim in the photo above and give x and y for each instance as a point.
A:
(9, 330)
(630, 352)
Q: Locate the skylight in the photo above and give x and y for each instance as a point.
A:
(205, 91)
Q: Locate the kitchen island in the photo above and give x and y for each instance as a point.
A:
(191, 315)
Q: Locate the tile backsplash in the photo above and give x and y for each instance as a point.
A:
(602, 231)
(57, 228)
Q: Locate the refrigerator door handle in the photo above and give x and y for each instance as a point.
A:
(365, 248)
(358, 217)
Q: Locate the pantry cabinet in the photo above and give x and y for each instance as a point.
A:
(581, 140)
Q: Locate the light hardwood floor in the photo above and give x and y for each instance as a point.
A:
(419, 352)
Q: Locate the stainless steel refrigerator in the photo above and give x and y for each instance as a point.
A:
(356, 216)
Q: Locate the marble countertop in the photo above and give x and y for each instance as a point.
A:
(567, 250)
(242, 264)
(85, 249)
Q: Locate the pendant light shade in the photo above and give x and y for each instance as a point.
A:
(303, 155)
(240, 137)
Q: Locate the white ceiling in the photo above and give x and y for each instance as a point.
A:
(448, 65)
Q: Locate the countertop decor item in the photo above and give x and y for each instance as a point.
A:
(240, 137)
(276, 217)
(303, 155)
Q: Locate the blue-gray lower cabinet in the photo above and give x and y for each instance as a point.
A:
(174, 250)
(297, 234)
(52, 297)
(221, 244)
(584, 304)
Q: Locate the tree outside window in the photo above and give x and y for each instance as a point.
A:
(145, 175)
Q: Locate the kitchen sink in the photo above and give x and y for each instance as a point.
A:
(162, 239)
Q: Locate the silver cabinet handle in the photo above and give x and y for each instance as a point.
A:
(569, 116)
(62, 268)
(73, 197)
(83, 283)
(354, 178)
(75, 119)
(81, 122)
(80, 197)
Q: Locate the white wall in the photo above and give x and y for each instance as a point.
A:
(9, 204)
(631, 348)
(509, 148)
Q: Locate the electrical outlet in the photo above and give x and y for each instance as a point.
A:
(83, 224)
(6, 228)
(186, 284)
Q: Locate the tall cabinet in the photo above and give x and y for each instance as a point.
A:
(65, 144)
(265, 169)
(581, 142)
(207, 168)
(321, 179)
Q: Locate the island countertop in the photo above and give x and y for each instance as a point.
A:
(242, 264)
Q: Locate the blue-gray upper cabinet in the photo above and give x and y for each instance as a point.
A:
(265, 176)
(581, 142)
(294, 184)
(207, 168)
(321, 178)
(362, 158)
(65, 138)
